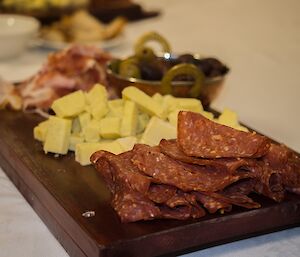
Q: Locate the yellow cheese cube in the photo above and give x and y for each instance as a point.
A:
(207, 115)
(173, 117)
(91, 132)
(84, 119)
(169, 103)
(99, 110)
(76, 128)
(158, 98)
(74, 140)
(40, 131)
(189, 104)
(110, 127)
(116, 103)
(145, 102)
(228, 118)
(241, 128)
(115, 108)
(129, 120)
(69, 105)
(127, 143)
(156, 130)
(96, 95)
(143, 120)
(58, 135)
(84, 151)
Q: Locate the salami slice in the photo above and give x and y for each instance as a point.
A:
(170, 148)
(184, 176)
(201, 137)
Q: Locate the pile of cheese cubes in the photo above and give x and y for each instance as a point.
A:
(88, 122)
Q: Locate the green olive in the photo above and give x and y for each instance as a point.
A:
(152, 36)
(145, 54)
(183, 69)
(128, 68)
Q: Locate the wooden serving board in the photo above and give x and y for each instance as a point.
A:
(60, 190)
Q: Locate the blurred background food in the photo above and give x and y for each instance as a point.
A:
(48, 11)
(82, 27)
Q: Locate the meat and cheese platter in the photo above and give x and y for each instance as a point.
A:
(139, 175)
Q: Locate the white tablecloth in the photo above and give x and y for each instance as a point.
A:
(260, 42)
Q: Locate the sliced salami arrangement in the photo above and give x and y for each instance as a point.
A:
(209, 168)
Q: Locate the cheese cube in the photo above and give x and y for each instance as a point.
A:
(84, 151)
(115, 108)
(76, 128)
(58, 135)
(156, 130)
(169, 103)
(207, 115)
(91, 132)
(116, 103)
(40, 131)
(158, 98)
(99, 110)
(74, 140)
(145, 102)
(127, 143)
(189, 104)
(96, 95)
(129, 120)
(228, 118)
(110, 127)
(143, 120)
(84, 119)
(173, 117)
(69, 105)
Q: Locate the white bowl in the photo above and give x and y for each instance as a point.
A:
(16, 31)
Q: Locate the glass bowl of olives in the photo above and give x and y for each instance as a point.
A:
(185, 75)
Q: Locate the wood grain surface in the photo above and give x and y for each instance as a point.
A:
(60, 190)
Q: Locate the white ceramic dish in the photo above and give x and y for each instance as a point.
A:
(16, 31)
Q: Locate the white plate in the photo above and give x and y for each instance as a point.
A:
(105, 44)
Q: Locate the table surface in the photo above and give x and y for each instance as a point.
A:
(258, 40)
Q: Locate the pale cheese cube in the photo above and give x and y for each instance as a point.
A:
(76, 128)
(143, 119)
(70, 105)
(127, 143)
(129, 120)
(173, 117)
(228, 118)
(84, 119)
(97, 94)
(40, 131)
(158, 98)
(99, 110)
(91, 132)
(84, 151)
(74, 140)
(156, 130)
(144, 101)
(110, 127)
(58, 135)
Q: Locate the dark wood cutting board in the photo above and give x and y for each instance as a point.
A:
(60, 190)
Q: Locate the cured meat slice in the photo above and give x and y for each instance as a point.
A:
(212, 204)
(118, 170)
(161, 193)
(270, 184)
(184, 176)
(170, 148)
(282, 159)
(132, 206)
(201, 137)
(134, 197)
